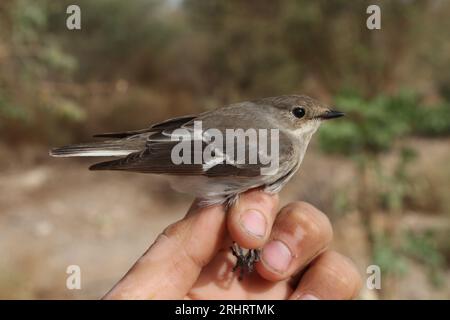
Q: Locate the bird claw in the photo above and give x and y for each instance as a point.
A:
(244, 261)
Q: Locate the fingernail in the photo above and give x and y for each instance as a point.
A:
(254, 223)
(277, 256)
(307, 297)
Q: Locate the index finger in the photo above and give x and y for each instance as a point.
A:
(251, 218)
(173, 262)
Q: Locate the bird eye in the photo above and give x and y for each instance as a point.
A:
(298, 112)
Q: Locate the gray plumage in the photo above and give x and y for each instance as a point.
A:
(149, 150)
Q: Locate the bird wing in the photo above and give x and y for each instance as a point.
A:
(156, 157)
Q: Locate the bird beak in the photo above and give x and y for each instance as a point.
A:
(331, 114)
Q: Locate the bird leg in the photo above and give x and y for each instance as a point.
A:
(245, 258)
(245, 261)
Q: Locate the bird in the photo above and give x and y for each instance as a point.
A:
(177, 149)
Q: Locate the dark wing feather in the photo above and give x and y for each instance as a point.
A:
(156, 159)
(120, 135)
(173, 123)
(159, 127)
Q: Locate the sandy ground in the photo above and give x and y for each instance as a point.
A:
(55, 213)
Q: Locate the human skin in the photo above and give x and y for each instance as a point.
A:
(192, 259)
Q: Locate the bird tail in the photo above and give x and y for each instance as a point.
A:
(112, 148)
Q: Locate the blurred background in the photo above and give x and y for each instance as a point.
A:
(382, 174)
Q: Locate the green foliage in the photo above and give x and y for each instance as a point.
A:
(434, 121)
(30, 19)
(130, 37)
(387, 256)
(341, 203)
(57, 60)
(424, 248)
(373, 126)
(9, 111)
(392, 255)
(35, 61)
(223, 51)
(396, 186)
(66, 109)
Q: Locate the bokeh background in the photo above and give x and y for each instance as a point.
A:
(382, 174)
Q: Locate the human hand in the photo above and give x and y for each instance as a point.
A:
(192, 259)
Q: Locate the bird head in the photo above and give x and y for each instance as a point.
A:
(300, 113)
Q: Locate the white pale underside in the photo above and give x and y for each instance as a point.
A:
(96, 153)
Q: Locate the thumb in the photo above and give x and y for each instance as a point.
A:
(174, 261)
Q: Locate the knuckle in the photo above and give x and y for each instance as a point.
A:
(342, 269)
(261, 198)
(173, 231)
(315, 223)
(178, 238)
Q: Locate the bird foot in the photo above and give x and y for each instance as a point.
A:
(245, 260)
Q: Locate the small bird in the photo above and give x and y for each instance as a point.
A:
(218, 178)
